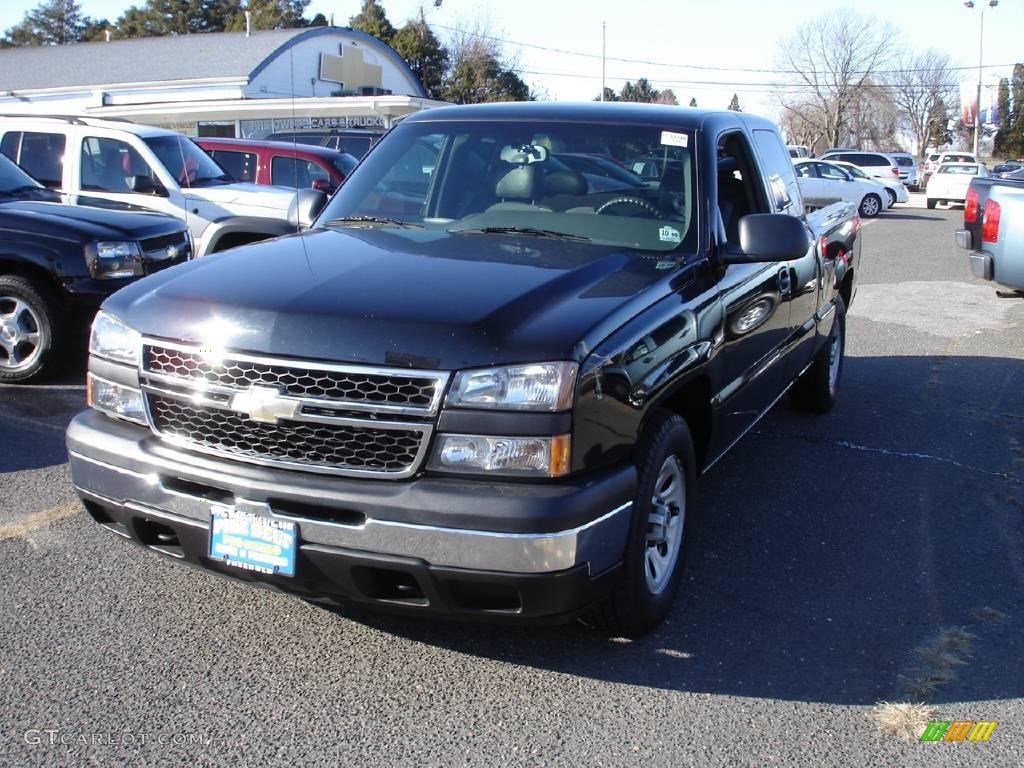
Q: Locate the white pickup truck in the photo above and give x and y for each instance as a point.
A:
(121, 165)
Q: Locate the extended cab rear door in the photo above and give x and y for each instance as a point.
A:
(803, 287)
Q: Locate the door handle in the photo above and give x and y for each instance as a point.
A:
(785, 281)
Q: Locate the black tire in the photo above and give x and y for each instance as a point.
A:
(891, 195)
(817, 389)
(870, 206)
(33, 308)
(633, 608)
(931, 203)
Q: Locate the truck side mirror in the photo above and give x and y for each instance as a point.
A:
(305, 207)
(773, 237)
(144, 185)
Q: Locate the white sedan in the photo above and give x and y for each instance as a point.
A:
(823, 183)
(895, 188)
(949, 184)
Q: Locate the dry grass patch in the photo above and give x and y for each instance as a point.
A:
(902, 719)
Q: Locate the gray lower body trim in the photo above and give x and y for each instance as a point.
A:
(599, 543)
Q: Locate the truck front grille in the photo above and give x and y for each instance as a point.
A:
(367, 449)
(337, 383)
(318, 417)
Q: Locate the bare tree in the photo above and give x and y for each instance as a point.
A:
(919, 82)
(830, 59)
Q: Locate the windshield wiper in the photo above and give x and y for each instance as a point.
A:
(346, 221)
(530, 231)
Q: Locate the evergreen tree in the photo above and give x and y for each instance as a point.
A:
(734, 105)
(1015, 144)
(643, 92)
(266, 14)
(372, 20)
(693, 101)
(1000, 146)
(423, 52)
(94, 30)
(52, 22)
(609, 95)
(938, 125)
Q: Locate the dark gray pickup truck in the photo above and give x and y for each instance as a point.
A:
(481, 383)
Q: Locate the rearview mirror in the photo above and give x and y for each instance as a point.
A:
(305, 207)
(773, 237)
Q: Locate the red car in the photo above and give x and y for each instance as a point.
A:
(280, 162)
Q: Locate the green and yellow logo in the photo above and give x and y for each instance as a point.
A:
(958, 730)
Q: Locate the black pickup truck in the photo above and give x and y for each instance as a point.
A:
(480, 383)
(59, 262)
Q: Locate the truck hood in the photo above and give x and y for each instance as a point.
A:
(83, 224)
(416, 298)
(244, 198)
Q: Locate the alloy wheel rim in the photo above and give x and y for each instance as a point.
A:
(665, 523)
(870, 206)
(20, 334)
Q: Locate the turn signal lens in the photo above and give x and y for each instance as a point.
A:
(971, 206)
(990, 222)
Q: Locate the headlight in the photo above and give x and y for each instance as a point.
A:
(534, 387)
(115, 399)
(114, 340)
(524, 456)
(109, 260)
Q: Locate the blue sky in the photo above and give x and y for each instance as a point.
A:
(723, 34)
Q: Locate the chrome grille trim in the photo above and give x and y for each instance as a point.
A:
(423, 430)
(198, 393)
(439, 378)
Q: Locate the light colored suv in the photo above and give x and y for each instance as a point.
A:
(876, 164)
(117, 164)
(908, 169)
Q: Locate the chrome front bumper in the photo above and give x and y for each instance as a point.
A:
(113, 470)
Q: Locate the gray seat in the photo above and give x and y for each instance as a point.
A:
(520, 188)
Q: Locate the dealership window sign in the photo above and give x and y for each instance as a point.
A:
(259, 129)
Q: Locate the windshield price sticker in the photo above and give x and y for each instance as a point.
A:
(672, 139)
(669, 235)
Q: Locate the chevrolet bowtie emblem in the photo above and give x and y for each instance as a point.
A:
(264, 404)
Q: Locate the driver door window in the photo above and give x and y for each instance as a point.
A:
(109, 165)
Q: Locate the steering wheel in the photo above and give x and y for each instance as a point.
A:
(634, 201)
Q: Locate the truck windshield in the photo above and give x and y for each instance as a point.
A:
(186, 162)
(569, 180)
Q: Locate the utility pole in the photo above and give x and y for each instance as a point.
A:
(981, 54)
(602, 58)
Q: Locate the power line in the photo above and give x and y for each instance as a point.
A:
(767, 87)
(704, 67)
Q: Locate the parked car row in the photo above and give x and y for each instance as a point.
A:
(89, 205)
(823, 182)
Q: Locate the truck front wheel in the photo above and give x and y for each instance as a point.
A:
(30, 329)
(659, 532)
(816, 390)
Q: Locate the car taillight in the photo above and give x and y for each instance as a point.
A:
(990, 222)
(895, 171)
(971, 206)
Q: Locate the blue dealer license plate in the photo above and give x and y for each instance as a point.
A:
(251, 542)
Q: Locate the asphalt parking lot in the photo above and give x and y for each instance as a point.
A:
(834, 552)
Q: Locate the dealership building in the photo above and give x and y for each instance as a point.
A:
(219, 84)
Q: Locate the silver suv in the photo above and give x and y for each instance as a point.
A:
(121, 165)
(876, 164)
(908, 169)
